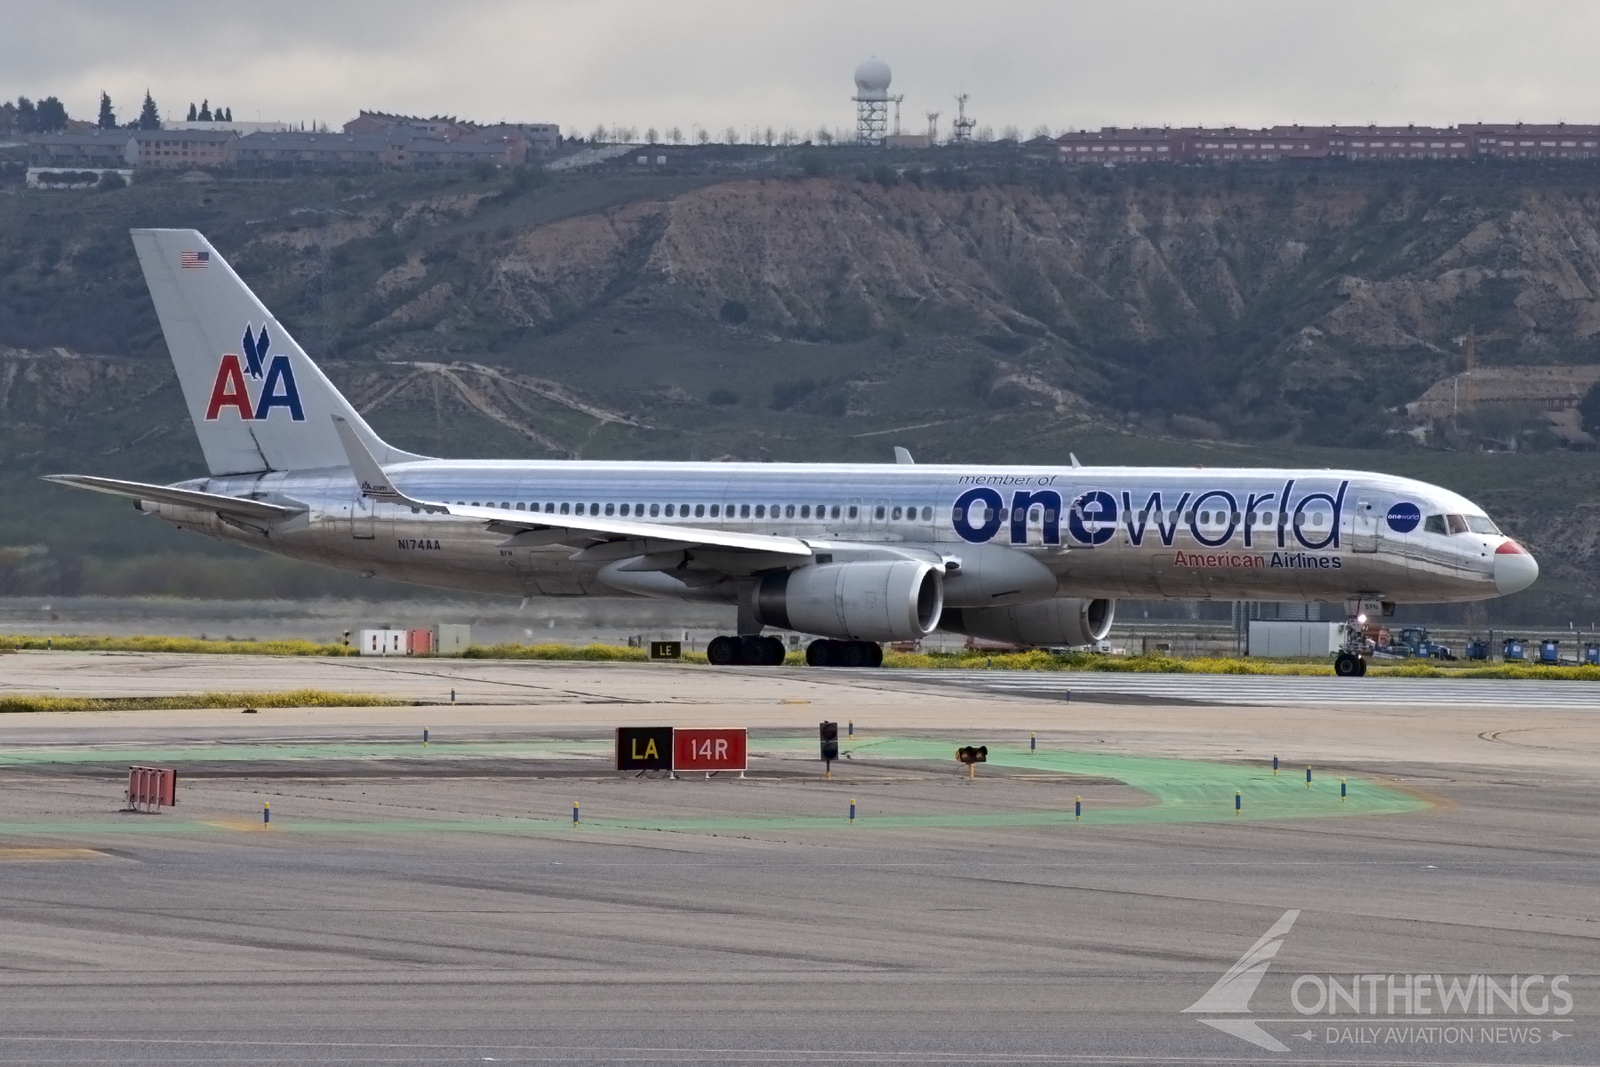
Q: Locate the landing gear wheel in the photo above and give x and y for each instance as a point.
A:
(852, 654)
(1347, 666)
(776, 653)
(1361, 667)
(724, 652)
(874, 654)
(754, 650)
(820, 653)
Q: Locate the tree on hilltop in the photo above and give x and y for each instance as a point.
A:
(51, 116)
(108, 118)
(193, 115)
(149, 117)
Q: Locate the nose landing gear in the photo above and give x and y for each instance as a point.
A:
(1351, 662)
(1347, 665)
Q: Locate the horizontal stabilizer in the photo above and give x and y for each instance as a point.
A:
(188, 498)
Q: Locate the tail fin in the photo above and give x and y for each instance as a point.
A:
(257, 401)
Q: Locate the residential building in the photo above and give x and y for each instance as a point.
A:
(181, 149)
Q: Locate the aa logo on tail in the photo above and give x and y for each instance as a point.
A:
(277, 388)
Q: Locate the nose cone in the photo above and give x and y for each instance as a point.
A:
(1514, 569)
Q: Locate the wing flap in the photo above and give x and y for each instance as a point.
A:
(188, 498)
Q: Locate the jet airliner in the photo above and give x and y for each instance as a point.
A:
(856, 554)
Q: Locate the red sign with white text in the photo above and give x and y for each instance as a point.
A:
(709, 749)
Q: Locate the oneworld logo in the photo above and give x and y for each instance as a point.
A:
(277, 388)
(1389, 1008)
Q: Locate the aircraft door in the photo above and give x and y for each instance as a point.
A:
(1364, 528)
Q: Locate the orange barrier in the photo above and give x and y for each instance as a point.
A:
(150, 788)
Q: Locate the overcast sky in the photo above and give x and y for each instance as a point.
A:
(752, 63)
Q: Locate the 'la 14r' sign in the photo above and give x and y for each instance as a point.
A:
(709, 748)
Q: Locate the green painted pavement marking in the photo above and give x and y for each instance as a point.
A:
(1182, 791)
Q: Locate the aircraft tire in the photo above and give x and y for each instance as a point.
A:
(1347, 666)
(820, 653)
(1361, 667)
(725, 651)
(874, 654)
(776, 653)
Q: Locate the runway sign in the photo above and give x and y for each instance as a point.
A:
(644, 748)
(666, 649)
(711, 749)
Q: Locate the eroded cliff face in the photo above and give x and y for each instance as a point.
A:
(1298, 309)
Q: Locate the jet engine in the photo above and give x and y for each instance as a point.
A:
(1056, 622)
(897, 600)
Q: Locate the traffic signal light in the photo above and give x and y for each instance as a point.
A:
(829, 732)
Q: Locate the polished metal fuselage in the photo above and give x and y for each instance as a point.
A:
(1143, 547)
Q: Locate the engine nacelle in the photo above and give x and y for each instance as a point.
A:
(1048, 623)
(896, 600)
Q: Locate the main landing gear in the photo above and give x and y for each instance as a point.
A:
(844, 654)
(751, 651)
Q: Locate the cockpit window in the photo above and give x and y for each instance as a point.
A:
(1482, 524)
(1456, 523)
(1433, 524)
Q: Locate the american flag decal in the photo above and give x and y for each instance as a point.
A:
(194, 259)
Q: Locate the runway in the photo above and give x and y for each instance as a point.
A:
(1273, 690)
(424, 906)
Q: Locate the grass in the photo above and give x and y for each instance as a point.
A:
(966, 660)
(297, 698)
(152, 643)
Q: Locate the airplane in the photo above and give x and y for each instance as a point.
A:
(856, 554)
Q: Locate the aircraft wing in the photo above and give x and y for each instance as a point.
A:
(188, 498)
(530, 528)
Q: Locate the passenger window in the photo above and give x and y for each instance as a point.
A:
(1316, 520)
(474, 503)
(1299, 518)
(788, 512)
(521, 506)
(805, 511)
(655, 509)
(927, 514)
(895, 515)
(1189, 517)
(624, 510)
(669, 511)
(566, 509)
(836, 511)
(761, 511)
(1049, 514)
(715, 508)
(1457, 523)
(611, 509)
(852, 511)
(744, 511)
(878, 514)
(699, 511)
(550, 508)
(1205, 518)
(594, 509)
(1234, 518)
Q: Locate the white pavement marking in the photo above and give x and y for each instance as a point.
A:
(1274, 690)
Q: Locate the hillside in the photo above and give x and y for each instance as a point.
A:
(1213, 315)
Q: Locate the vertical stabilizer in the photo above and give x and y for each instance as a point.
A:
(257, 401)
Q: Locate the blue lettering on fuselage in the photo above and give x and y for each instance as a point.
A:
(1093, 516)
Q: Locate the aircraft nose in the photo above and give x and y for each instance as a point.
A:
(1514, 568)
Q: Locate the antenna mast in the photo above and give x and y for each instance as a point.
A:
(961, 128)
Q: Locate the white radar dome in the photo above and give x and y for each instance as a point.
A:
(872, 78)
